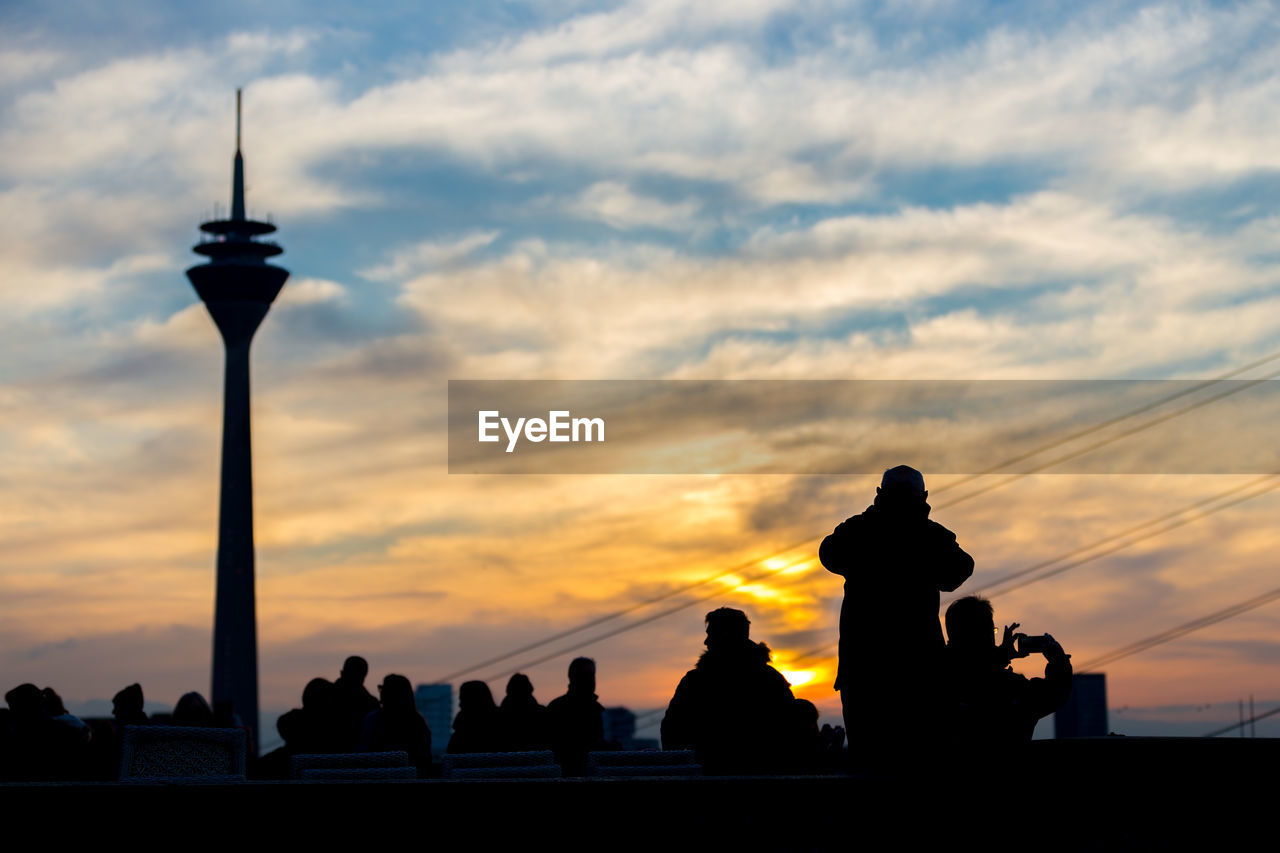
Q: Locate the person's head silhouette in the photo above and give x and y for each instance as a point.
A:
(582, 675)
(519, 686)
(25, 700)
(354, 670)
(971, 624)
(476, 697)
(127, 704)
(903, 481)
(902, 493)
(192, 710)
(396, 692)
(727, 629)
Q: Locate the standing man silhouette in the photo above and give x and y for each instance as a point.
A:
(894, 561)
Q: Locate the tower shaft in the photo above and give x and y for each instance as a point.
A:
(235, 626)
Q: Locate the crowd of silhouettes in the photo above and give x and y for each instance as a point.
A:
(41, 741)
(733, 709)
(904, 692)
(342, 716)
(570, 726)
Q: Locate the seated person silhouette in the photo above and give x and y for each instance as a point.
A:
(813, 749)
(352, 701)
(126, 707)
(396, 725)
(36, 743)
(733, 709)
(476, 728)
(523, 718)
(989, 703)
(192, 710)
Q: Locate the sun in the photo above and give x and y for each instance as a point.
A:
(798, 677)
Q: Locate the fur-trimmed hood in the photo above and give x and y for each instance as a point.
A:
(749, 656)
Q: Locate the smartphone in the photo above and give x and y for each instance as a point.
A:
(1032, 645)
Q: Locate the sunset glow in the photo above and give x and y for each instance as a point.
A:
(626, 191)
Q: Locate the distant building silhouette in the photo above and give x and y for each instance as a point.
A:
(1085, 714)
(435, 704)
(620, 726)
(238, 286)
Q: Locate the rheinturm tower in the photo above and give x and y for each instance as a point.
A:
(237, 285)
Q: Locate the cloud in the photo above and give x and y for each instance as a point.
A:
(428, 255)
(312, 291)
(1154, 101)
(1076, 288)
(615, 204)
(17, 64)
(635, 26)
(815, 126)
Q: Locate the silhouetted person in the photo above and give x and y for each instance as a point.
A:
(894, 561)
(577, 719)
(812, 749)
(58, 712)
(397, 725)
(126, 710)
(314, 727)
(35, 746)
(733, 709)
(989, 703)
(476, 728)
(192, 710)
(352, 701)
(126, 707)
(308, 730)
(525, 725)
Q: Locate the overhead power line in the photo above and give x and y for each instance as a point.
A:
(1180, 522)
(1183, 629)
(1067, 439)
(617, 614)
(1111, 439)
(1238, 725)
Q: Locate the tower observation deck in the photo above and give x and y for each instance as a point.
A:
(237, 285)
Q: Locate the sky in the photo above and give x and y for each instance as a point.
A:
(618, 190)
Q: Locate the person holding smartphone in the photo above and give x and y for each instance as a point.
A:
(987, 702)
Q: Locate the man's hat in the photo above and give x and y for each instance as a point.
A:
(903, 478)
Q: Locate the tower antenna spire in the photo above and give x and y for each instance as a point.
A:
(237, 180)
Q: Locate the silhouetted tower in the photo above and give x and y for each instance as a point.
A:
(237, 286)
